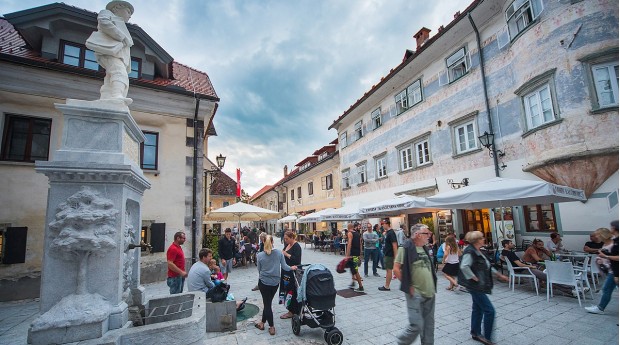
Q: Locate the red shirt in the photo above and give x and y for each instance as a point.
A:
(175, 254)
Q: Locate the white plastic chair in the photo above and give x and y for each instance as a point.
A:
(582, 267)
(519, 272)
(594, 270)
(561, 272)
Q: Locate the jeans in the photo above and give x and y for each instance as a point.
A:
(175, 284)
(368, 253)
(608, 289)
(481, 310)
(421, 313)
(380, 257)
(267, 292)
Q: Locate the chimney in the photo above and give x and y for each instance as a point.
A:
(285, 170)
(421, 37)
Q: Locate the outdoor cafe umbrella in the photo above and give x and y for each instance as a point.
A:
(313, 217)
(288, 219)
(505, 192)
(241, 212)
(345, 213)
(394, 206)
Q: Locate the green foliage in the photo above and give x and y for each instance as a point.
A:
(428, 221)
(211, 241)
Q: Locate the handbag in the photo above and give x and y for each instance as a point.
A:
(342, 265)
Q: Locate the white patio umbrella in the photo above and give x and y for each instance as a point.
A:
(241, 212)
(288, 219)
(345, 213)
(395, 206)
(505, 192)
(313, 217)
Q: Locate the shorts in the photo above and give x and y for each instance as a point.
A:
(228, 267)
(353, 264)
(389, 262)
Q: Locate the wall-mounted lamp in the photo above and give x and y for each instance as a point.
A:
(457, 185)
(488, 141)
(220, 160)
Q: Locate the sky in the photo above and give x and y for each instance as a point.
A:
(283, 70)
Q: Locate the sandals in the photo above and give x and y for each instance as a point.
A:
(259, 326)
(272, 331)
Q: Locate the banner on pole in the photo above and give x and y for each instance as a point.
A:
(238, 183)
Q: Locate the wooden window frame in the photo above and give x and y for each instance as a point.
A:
(156, 151)
(27, 154)
(542, 222)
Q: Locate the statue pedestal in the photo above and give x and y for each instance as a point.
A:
(89, 276)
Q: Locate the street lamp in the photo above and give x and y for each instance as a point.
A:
(488, 141)
(220, 161)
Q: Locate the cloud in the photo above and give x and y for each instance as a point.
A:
(284, 70)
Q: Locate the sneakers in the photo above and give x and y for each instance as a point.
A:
(383, 288)
(594, 310)
(359, 289)
(376, 274)
(352, 285)
(365, 275)
(585, 291)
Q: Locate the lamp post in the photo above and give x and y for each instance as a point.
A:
(209, 178)
(488, 141)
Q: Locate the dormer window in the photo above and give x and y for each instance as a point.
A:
(322, 156)
(136, 68)
(305, 166)
(78, 55)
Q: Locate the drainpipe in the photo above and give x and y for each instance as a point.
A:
(194, 181)
(278, 202)
(486, 95)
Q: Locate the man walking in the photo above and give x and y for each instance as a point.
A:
(353, 252)
(390, 249)
(414, 268)
(226, 252)
(176, 264)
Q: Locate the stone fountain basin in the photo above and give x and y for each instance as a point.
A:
(169, 319)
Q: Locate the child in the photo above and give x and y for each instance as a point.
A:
(215, 270)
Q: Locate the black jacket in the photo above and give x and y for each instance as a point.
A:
(481, 268)
(411, 255)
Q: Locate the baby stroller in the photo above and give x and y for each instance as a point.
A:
(318, 299)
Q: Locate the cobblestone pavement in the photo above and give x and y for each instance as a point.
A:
(378, 317)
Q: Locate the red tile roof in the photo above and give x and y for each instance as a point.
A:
(187, 79)
(261, 192)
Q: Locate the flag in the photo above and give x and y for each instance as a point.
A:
(238, 183)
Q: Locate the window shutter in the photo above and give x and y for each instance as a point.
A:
(443, 78)
(15, 245)
(158, 237)
(503, 37)
(323, 182)
(393, 111)
(473, 59)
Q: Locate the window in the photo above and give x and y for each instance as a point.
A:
(14, 240)
(136, 68)
(465, 137)
(606, 84)
(361, 173)
(540, 218)
(457, 65)
(521, 13)
(401, 102)
(358, 130)
(26, 139)
(322, 156)
(538, 107)
(310, 188)
(78, 55)
(414, 93)
(422, 153)
(376, 118)
(327, 183)
(343, 140)
(381, 164)
(345, 179)
(148, 151)
(305, 166)
(292, 194)
(299, 192)
(406, 158)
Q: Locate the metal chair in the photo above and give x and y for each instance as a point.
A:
(561, 272)
(594, 270)
(519, 272)
(582, 267)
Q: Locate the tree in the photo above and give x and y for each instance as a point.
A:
(83, 225)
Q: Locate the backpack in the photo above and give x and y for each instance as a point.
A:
(342, 265)
(220, 292)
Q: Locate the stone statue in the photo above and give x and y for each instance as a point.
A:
(111, 44)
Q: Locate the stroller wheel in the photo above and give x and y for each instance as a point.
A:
(334, 337)
(296, 324)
